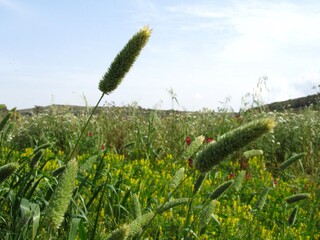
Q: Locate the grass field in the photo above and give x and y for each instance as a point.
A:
(131, 165)
(127, 174)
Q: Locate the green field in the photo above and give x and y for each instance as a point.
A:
(125, 173)
(133, 163)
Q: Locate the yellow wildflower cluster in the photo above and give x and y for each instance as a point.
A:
(28, 152)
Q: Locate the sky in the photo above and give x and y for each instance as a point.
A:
(204, 54)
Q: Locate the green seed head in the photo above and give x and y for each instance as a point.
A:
(221, 189)
(239, 180)
(297, 197)
(206, 214)
(291, 160)
(124, 61)
(139, 223)
(263, 198)
(59, 202)
(178, 176)
(7, 170)
(252, 153)
(199, 182)
(120, 233)
(136, 206)
(193, 147)
(293, 216)
(231, 142)
(173, 203)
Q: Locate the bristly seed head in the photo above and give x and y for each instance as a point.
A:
(124, 61)
(230, 142)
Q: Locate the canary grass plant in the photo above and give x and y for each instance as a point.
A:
(200, 193)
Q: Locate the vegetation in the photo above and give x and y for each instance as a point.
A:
(127, 174)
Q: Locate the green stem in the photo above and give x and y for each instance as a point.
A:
(75, 148)
(167, 199)
(188, 217)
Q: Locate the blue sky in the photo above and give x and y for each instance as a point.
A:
(207, 52)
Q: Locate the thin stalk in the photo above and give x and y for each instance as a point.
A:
(75, 148)
(98, 212)
(188, 216)
(167, 199)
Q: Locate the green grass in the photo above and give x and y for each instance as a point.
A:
(128, 174)
(142, 167)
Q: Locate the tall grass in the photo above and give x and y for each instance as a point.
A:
(130, 174)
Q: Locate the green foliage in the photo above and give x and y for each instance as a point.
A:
(123, 153)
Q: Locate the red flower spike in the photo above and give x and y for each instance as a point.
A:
(209, 139)
(188, 140)
(275, 182)
(248, 176)
(231, 175)
(90, 134)
(103, 147)
(190, 162)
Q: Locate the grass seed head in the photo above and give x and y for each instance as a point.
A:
(293, 216)
(230, 142)
(120, 233)
(263, 198)
(291, 160)
(136, 206)
(59, 202)
(173, 203)
(239, 180)
(199, 182)
(297, 197)
(206, 214)
(221, 189)
(7, 170)
(124, 61)
(139, 223)
(177, 178)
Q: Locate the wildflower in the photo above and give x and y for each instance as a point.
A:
(90, 134)
(244, 163)
(231, 175)
(248, 176)
(209, 140)
(188, 140)
(190, 162)
(275, 182)
(103, 147)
